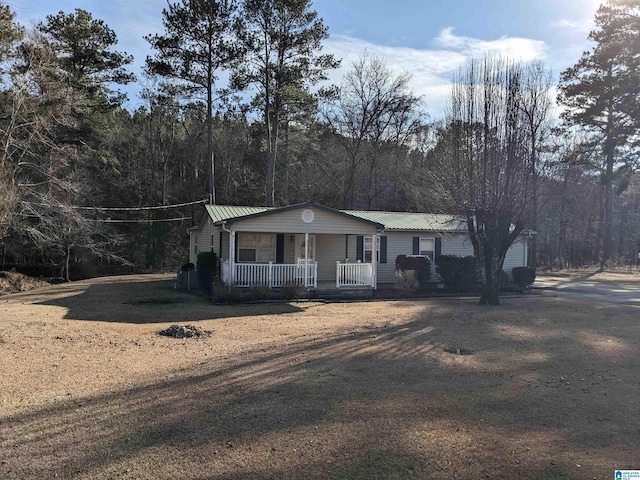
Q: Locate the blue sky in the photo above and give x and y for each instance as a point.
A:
(430, 39)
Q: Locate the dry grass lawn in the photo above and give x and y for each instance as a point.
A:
(544, 388)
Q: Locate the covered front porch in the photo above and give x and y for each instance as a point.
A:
(310, 260)
(308, 245)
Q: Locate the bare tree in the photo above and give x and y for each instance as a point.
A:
(487, 171)
(374, 113)
(536, 107)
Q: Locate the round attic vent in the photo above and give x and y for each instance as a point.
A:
(308, 216)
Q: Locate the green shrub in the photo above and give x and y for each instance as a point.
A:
(260, 292)
(293, 291)
(523, 276)
(207, 261)
(458, 273)
(207, 267)
(421, 264)
(407, 281)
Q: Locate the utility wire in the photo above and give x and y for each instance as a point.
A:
(108, 220)
(118, 209)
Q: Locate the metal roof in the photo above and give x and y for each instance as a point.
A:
(399, 221)
(230, 213)
(413, 221)
(219, 213)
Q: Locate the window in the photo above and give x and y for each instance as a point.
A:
(428, 247)
(195, 245)
(255, 247)
(368, 249)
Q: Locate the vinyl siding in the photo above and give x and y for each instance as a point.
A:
(290, 221)
(329, 250)
(401, 243)
(398, 243)
(516, 255)
(457, 244)
(205, 241)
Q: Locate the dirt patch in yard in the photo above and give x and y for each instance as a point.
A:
(542, 387)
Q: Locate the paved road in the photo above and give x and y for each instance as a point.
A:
(612, 288)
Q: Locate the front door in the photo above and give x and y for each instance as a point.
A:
(299, 251)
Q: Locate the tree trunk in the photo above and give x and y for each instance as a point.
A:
(490, 294)
(66, 264)
(210, 156)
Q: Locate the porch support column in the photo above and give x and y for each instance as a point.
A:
(232, 257)
(374, 260)
(306, 258)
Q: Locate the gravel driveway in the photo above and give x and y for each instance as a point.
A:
(602, 287)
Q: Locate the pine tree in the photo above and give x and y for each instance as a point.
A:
(602, 94)
(195, 46)
(282, 44)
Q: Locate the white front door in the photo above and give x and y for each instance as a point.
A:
(299, 251)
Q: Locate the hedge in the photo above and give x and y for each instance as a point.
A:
(421, 264)
(458, 273)
(523, 276)
(207, 266)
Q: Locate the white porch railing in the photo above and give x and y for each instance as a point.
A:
(354, 274)
(269, 274)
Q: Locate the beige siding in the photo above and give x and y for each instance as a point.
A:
(456, 244)
(516, 255)
(398, 243)
(208, 238)
(401, 243)
(291, 221)
(290, 248)
(329, 250)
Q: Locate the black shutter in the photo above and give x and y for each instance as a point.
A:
(438, 251)
(383, 249)
(416, 245)
(280, 248)
(220, 250)
(360, 248)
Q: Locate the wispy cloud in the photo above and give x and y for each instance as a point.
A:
(432, 69)
(525, 49)
(575, 26)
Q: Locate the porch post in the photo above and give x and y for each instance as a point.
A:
(374, 259)
(232, 256)
(306, 259)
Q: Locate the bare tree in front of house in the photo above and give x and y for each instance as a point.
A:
(483, 162)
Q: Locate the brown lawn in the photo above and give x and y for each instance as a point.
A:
(545, 388)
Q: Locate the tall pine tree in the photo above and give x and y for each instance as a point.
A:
(195, 46)
(282, 60)
(602, 94)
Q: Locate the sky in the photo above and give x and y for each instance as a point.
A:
(429, 39)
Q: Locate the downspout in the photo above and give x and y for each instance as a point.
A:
(376, 260)
(232, 250)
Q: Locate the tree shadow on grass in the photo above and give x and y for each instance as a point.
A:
(385, 401)
(142, 302)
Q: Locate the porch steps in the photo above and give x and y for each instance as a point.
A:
(329, 293)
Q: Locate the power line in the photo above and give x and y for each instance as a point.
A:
(157, 220)
(118, 209)
(109, 220)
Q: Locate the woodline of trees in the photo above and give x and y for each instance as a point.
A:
(76, 166)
